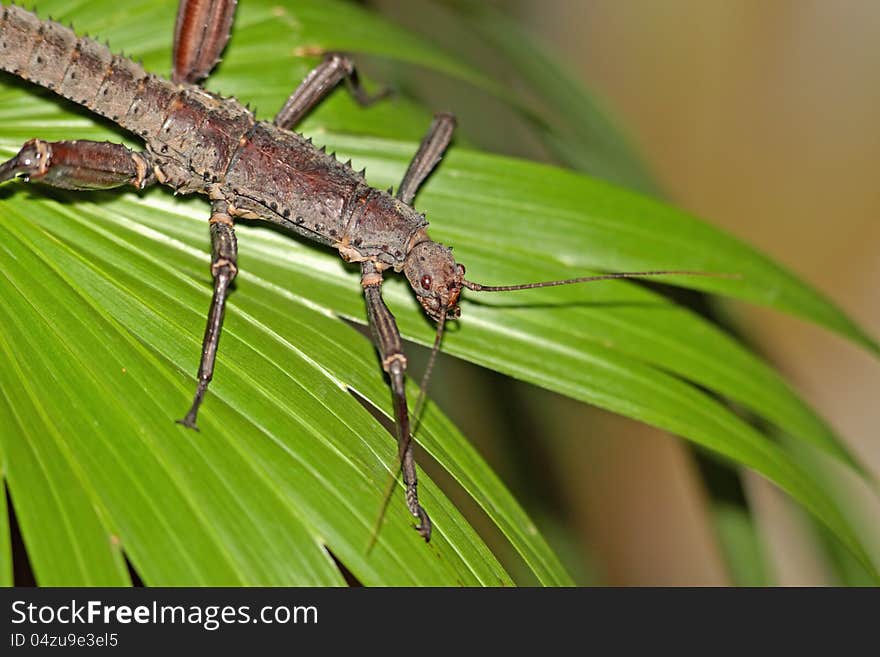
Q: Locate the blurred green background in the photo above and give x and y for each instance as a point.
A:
(762, 118)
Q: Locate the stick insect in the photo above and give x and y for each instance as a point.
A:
(198, 142)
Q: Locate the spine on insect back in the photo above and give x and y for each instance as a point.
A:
(81, 69)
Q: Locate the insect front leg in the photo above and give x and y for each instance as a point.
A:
(426, 158)
(390, 347)
(80, 165)
(224, 255)
(320, 82)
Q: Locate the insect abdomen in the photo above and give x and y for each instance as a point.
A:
(51, 55)
(79, 69)
(19, 32)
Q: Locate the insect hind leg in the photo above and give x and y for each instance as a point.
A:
(79, 165)
(224, 257)
(430, 153)
(319, 83)
(200, 35)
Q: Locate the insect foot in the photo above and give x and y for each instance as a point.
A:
(189, 421)
(424, 526)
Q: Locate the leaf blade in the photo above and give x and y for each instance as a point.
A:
(237, 351)
(508, 194)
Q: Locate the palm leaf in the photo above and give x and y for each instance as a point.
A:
(103, 302)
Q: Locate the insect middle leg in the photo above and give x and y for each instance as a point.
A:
(320, 82)
(224, 256)
(387, 339)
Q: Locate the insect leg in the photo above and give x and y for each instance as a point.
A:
(81, 165)
(387, 338)
(224, 254)
(426, 158)
(320, 82)
(200, 34)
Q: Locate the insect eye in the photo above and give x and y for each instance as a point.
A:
(426, 282)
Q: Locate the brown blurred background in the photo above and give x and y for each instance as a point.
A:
(763, 118)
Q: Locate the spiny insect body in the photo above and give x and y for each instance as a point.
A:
(198, 142)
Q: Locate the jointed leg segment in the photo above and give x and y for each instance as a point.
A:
(80, 165)
(200, 34)
(320, 82)
(385, 332)
(224, 255)
(387, 338)
(427, 157)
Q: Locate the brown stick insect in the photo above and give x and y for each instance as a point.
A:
(199, 142)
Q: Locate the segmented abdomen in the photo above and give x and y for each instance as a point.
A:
(196, 132)
(80, 69)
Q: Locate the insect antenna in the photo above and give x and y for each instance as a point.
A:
(478, 287)
(416, 421)
(426, 377)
